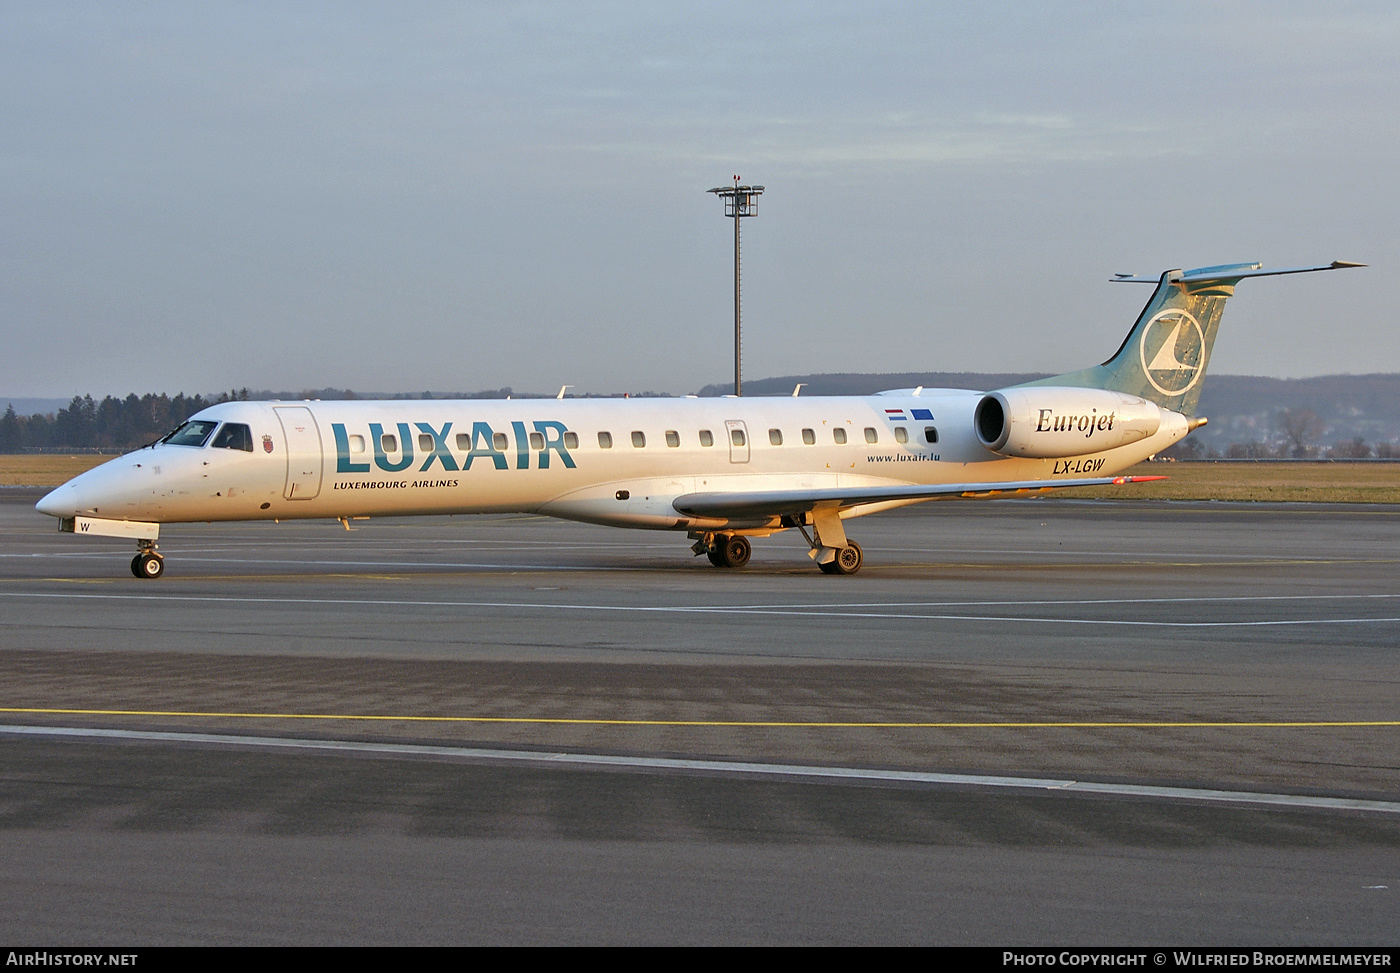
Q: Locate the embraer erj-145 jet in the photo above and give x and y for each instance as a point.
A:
(723, 470)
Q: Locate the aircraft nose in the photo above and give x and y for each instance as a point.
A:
(58, 502)
(85, 494)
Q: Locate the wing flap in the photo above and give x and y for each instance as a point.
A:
(773, 503)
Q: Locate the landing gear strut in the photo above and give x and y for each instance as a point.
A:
(147, 563)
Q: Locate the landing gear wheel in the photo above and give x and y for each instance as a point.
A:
(734, 551)
(716, 555)
(847, 560)
(150, 566)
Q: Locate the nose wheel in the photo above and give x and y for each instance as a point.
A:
(148, 564)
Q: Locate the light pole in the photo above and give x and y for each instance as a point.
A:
(739, 201)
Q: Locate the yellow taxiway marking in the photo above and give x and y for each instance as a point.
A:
(806, 724)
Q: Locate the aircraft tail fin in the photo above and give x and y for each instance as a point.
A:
(1165, 355)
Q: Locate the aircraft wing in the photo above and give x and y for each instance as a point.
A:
(773, 503)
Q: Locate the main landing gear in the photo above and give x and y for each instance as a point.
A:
(147, 563)
(733, 550)
(848, 560)
(725, 550)
(831, 550)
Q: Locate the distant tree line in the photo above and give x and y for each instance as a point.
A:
(112, 423)
(135, 421)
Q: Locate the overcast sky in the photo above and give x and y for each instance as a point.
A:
(412, 196)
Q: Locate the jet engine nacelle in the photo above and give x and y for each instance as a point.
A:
(1049, 423)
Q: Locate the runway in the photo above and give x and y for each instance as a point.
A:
(1038, 721)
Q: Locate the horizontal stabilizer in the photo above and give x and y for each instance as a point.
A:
(774, 503)
(1230, 272)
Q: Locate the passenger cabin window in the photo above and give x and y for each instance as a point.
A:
(838, 436)
(809, 437)
(425, 443)
(775, 437)
(736, 436)
(571, 440)
(605, 440)
(499, 442)
(193, 433)
(930, 434)
(389, 443)
(234, 435)
(639, 439)
(707, 438)
(537, 440)
(871, 436)
(464, 441)
(901, 435)
(357, 443)
(673, 438)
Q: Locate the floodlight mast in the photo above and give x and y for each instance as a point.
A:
(739, 201)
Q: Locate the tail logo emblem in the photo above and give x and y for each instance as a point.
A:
(1175, 343)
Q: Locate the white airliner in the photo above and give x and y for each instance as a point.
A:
(723, 470)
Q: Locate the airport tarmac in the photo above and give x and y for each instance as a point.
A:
(1041, 721)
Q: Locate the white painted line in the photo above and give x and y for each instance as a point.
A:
(724, 767)
(826, 610)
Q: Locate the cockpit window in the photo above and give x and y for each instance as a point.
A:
(193, 433)
(234, 435)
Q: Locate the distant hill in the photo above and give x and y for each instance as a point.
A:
(854, 383)
(1245, 407)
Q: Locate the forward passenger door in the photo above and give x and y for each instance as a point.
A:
(303, 441)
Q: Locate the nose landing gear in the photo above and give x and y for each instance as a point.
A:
(147, 563)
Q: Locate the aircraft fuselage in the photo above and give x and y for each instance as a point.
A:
(619, 462)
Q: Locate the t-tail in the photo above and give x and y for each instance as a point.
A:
(1164, 357)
